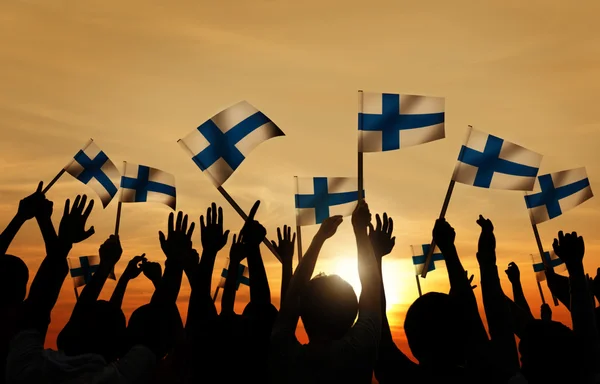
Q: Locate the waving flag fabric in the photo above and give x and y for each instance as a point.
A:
(82, 269)
(318, 198)
(420, 253)
(488, 161)
(92, 167)
(221, 144)
(142, 184)
(552, 258)
(390, 121)
(561, 191)
(243, 277)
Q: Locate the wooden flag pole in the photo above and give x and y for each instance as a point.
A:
(419, 285)
(53, 181)
(541, 249)
(118, 221)
(298, 227)
(239, 210)
(216, 294)
(541, 292)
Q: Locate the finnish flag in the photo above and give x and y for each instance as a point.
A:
(141, 184)
(561, 191)
(243, 277)
(83, 268)
(488, 161)
(92, 167)
(420, 254)
(390, 121)
(553, 260)
(318, 198)
(221, 144)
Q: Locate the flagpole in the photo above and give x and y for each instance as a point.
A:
(541, 292)
(239, 210)
(360, 151)
(418, 285)
(118, 219)
(298, 227)
(53, 181)
(444, 209)
(216, 294)
(541, 249)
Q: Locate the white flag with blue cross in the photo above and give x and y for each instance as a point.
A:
(92, 167)
(141, 184)
(83, 268)
(222, 143)
(552, 259)
(389, 121)
(243, 277)
(487, 161)
(419, 255)
(560, 192)
(318, 198)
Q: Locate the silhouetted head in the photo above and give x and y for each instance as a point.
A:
(14, 276)
(154, 327)
(435, 328)
(328, 308)
(259, 320)
(545, 342)
(100, 330)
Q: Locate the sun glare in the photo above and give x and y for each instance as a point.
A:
(347, 269)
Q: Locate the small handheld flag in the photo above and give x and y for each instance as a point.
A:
(487, 161)
(141, 184)
(83, 268)
(92, 167)
(552, 259)
(561, 191)
(318, 198)
(242, 277)
(387, 122)
(221, 144)
(419, 255)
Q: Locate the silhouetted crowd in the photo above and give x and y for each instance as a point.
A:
(349, 337)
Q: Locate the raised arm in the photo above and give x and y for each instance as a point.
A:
(133, 270)
(253, 234)
(514, 276)
(495, 305)
(285, 246)
(214, 238)
(153, 272)
(236, 255)
(559, 286)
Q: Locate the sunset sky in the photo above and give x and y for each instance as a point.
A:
(138, 75)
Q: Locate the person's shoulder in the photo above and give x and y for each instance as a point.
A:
(517, 379)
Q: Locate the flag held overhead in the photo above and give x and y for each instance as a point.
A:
(552, 259)
(420, 254)
(83, 268)
(141, 184)
(560, 192)
(243, 277)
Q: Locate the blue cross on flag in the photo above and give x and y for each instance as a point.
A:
(221, 144)
(390, 121)
(82, 269)
(141, 184)
(420, 254)
(487, 161)
(318, 198)
(92, 167)
(561, 191)
(553, 260)
(243, 277)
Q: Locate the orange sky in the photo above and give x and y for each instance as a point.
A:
(138, 75)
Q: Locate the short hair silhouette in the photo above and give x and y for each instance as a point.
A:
(154, 326)
(541, 343)
(100, 330)
(435, 327)
(328, 307)
(14, 276)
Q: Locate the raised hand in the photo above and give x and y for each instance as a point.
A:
(443, 234)
(487, 242)
(178, 242)
(470, 280)
(546, 312)
(72, 226)
(30, 206)
(110, 251)
(237, 253)
(285, 244)
(570, 248)
(152, 270)
(253, 232)
(134, 267)
(513, 273)
(45, 210)
(212, 235)
(381, 236)
(328, 227)
(361, 217)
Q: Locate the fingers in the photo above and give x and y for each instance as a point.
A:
(279, 238)
(371, 228)
(378, 221)
(82, 204)
(294, 239)
(273, 243)
(202, 225)
(190, 231)
(556, 247)
(220, 217)
(561, 237)
(39, 187)
(88, 210)
(161, 237)
(253, 210)
(89, 233)
(390, 226)
(75, 205)
(67, 204)
(179, 221)
(170, 224)
(226, 235)
(385, 222)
